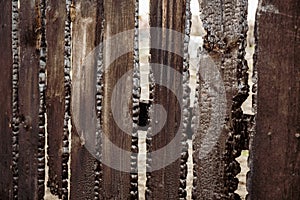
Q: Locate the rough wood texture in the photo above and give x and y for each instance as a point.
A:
(30, 29)
(56, 15)
(87, 180)
(119, 17)
(275, 152)
(165, 182)
(6, 181)
(222, 88)
(83, 103)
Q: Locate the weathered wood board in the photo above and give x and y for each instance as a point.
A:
(166, 180)
(275, 155)
(94, 23)
(55, 94)
(83, 42)
(28, 99)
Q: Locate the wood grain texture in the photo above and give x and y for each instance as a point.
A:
(119, 17)
(56, 15)
(165, 182)
(86, 179)
(83, 101)
(275, 153)
(29, 27)
(6, 181)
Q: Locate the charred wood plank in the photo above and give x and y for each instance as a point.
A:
(55, 33)
(222, 88)
(167, 180)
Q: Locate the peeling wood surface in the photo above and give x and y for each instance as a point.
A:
(275, 153)
(56, 16)
(6, 101)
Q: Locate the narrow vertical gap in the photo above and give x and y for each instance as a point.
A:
(143, 42)
(47, 191)
(98, 169)
(196, 45)
(184, 164)
(15, 99)
(195, 42)
(247, 105)
(67, 116)
(154, 20)
(42, 97)
(134, 191)
(70, 16)
(252, 6)
(69, 159)
(70, 120)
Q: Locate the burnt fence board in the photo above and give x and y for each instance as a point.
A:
(167, 182)
(275, 153)
(222, 67)
(84, 21)
(56, 16)
(6, 181)
(86, 176)
(29, 99)
(119, 17)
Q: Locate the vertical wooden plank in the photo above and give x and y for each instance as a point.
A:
(167, 182)
(55, 33)
(119, 17)
(222, 88)
(6, 62)
(87, 178)
(83, 103)
(30, 29)
(275, 152)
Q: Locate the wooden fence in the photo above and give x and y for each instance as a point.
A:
(43, 45)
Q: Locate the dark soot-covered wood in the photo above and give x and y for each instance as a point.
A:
(217, 140)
